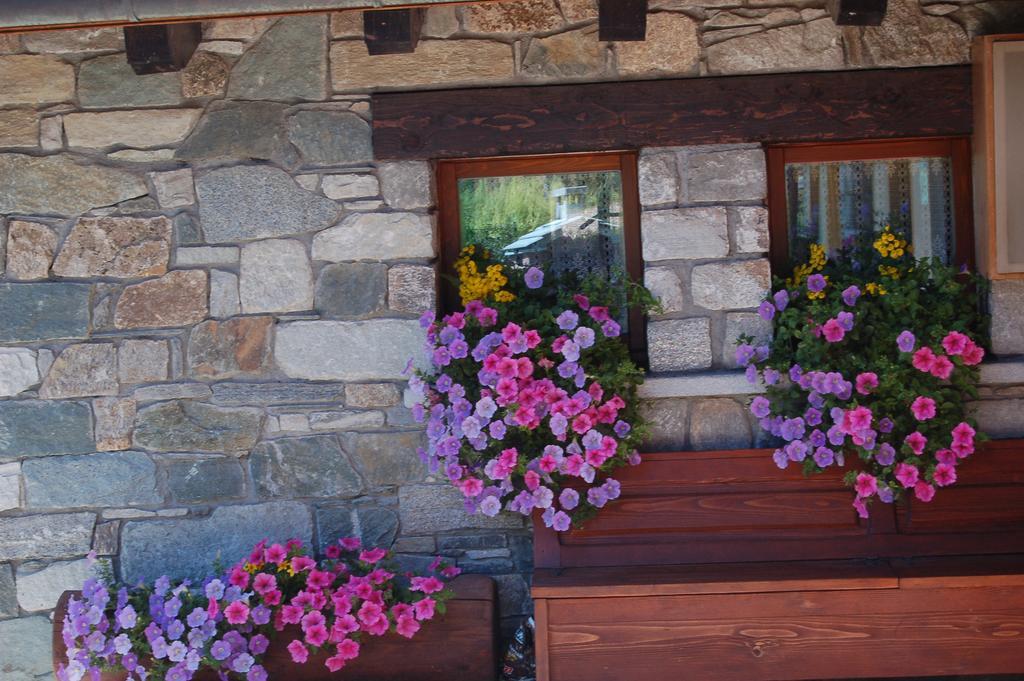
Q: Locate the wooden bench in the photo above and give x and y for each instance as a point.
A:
(716, 566)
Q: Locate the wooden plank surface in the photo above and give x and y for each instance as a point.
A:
(798, 635)
(787, 107)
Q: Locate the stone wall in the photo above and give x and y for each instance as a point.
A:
(209, 286)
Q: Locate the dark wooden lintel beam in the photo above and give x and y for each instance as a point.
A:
(159, 48)
(622, 20)
(784, 107)
(858, 12)
(392, 31)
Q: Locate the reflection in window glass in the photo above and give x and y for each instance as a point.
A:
(565, 222)
(832, 203)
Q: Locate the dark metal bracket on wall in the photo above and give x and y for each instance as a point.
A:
(776, 108)
(392, 31)
(622, 20)
(160, 48)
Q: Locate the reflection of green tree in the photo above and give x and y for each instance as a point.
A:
(495, 211)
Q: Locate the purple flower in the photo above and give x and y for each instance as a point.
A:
(426, 319)
(220, 650)
(196, 618)
(534, 277)
(242, 663)
(162, 585)
(793, 429)
(815, 400)
(486, 407)
(177, 673)
(130, 662)
(812, 416)
(771, 376)
(258, 644)
(622, 428)
(159, 647)
(816, 283)
(905, 341)
(571, 351)
(885, 495)
(612, 488)
(592, 440)
(560, 521)
(584, 337)
(490, 506)
(885, 454)
(175, 630)
(781, 299)
(558, 424)
(796, 450)
(122, 644)
(611, 329)
(850, 295)
(597, 497)
(127, 617)
(567, 369)
(845, 320)
(824, 457)
(744, 353)
(751, 373)
(442, 357)
(261, 615)
(766, 310)
(256, 673)
(836, 437)
(817, 438)
(569, 498)
(176, 651)
(760, 407)
(885, 425)
(781, 459)
(795, 372)
(568, 320)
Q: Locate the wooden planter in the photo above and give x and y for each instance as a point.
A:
(461, 645)
(718, 566)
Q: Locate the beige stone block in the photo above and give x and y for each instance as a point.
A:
(123, 248)
(141, 128)
(435, 62)
(512, 16)
(671, 46)
(30, 249)
(35, 79)
(178, 298)
(18, 128)
(574, 54)
(812, 46)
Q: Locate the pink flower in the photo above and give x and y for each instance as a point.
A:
(945, 475)
(212, 607)
(334, 663)
(962, 449)
(313, 619)
(264, 583)
(582, 423)
(350, 543)
(599, 313)
(862, 508)
(275, 554)
(272, 597)
(317, 636)
(427, 585)
(532, 339)
(907, 475)
(407, 626)
(471, 487)
(348, 649)
(942, 368)
(946, 456)
(924, 359)
(424, 608)
(319, 579)
(963, 433)
(916, 441)
(924, 491)
(955, 343)
(856, 420)
(923, 408)
(239, 578)
(866, 382)
(973, 355)
(833, 330)
(582, 301)
(298, 651)
(370, 612)
(303, 563)
(237, 613)
(866, 485)
(291, 614)
(532, 480)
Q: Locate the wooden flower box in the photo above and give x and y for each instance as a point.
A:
(718, 566)
(461, 645)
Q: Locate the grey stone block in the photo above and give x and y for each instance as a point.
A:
(28, 649)
(328, 138)
(277, 393)
(314, 466)
(685, 233)
(728, 175)
(104, 479)
(40, 586)
(46, 536)
(195, 426)
(374, 525)
(37, 312)
(350, 351)
(388, 458)
(191, 482)
(680, 344)
(354, 289)
(256, 202)
(57, 184)
(719, 424)
(29, 429)
(188, 547)
(109, 82)
(426, 509)
(669, 425)
(1006, 301)
(288, 63)
(8, 595)
(241, 130)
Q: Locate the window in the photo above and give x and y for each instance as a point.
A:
(830, 193)
(576, 212)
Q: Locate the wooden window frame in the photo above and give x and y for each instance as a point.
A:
(957, 149)
(449, 172)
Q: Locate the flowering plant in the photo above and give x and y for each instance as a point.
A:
(531, 400)
(873, 358)
(171, 631)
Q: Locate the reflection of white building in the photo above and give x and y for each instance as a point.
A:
(580, 238)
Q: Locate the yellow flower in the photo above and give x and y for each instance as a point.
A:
(818, 258)
(889, 271)
(253, 568)
(875, 289)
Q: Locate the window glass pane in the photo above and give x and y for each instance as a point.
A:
(563, 222)
(832, 203)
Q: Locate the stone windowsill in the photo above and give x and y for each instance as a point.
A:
(729, 383)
